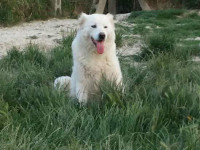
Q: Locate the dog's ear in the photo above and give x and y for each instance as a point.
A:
(82, 19)
(110, 16)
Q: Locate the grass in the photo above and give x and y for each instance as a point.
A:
(159, 108)
(176, 22)
(157, 28)
(15, 11)
(156, 44)
(12, 11)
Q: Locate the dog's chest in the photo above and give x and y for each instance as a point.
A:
(95, 68)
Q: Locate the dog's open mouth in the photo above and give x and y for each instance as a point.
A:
(99, 45)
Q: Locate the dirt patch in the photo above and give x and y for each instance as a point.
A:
(120, 17)
(45, 34)
(130, 50)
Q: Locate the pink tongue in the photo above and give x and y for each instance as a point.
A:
(100, 47)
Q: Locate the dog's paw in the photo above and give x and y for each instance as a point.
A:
(62, 83)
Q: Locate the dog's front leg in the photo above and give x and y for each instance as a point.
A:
(81, 93)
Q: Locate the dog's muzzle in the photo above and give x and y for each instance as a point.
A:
(99, 44)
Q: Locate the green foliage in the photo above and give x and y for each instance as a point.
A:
(3, 113)
(142, 14)
(158, 107)
(192, 4)
(156, 44)
(111, 93)
(165, 34)
(118, 39)
(61, 58)
(32, 68)
(170, 14)
(157, 14)
(14, 11)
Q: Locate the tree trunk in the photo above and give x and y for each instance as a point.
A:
(144, 5)
(112, 6)
(101, 6)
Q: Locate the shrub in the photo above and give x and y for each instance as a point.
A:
(14, 11)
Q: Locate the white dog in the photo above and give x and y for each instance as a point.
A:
(94, 57)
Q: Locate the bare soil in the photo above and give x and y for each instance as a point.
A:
(47, 34)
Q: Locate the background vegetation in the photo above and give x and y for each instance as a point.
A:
(14, 11)
(159, 108)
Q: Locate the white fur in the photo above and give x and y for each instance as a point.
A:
(62, 82)
(88, 65)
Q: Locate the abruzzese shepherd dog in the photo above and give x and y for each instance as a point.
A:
(94, 57)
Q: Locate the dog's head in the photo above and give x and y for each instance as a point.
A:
(98, 29)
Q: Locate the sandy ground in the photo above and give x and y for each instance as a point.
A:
(46, 34)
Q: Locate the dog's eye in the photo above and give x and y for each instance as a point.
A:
(105, 26)
(93, 26)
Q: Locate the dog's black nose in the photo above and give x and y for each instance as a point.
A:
(101, 36)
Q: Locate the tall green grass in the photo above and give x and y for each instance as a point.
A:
(158, 108)
(157, 44)
(192, 4)
(15, 11)
(179, 23)
(33, 68)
